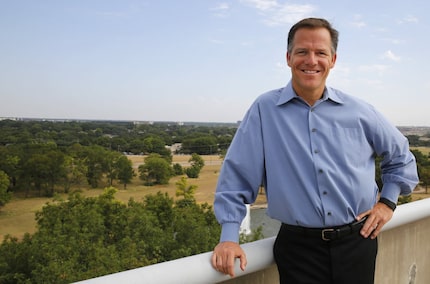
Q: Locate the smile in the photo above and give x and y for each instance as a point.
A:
(310, 71)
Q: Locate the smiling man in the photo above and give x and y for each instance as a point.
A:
(313, 148)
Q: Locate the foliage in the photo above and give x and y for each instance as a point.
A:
(155, 170)
(185, 190)
(124, 170)
(197, 163)
(255, 235)
(5, 196)
(203, 145)
(44, 157)
(82, 238)
(404, 199)
(177, 169)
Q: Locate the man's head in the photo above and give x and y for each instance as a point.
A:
(312, 45)
(313, 23)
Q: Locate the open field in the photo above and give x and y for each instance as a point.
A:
(424, 150)
(17, 217)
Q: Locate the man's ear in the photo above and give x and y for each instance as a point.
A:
(333, 60)
(288, 57)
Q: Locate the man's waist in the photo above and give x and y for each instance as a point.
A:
(327, 234)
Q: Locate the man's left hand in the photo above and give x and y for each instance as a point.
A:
(377, 217)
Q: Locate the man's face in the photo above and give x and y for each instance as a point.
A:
(310, 60)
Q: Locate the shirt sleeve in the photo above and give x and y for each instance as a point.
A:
(241, 175)
(398, 165)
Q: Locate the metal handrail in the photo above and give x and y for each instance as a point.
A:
(197, 268)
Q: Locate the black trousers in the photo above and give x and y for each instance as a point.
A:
(311, 260)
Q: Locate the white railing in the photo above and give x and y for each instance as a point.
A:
(197, 268)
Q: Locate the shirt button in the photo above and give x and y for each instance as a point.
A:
(320, 171)
(329, 213)
(314, 130)
(316, 151)
(325, 192)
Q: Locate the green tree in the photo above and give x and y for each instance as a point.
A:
(155, 170)
(184, 189)
(5, 196)
(82, 238)
(9, 162)
(96, 164)
(197, 163)
(124, 170)
(203, 145)
(177, 169)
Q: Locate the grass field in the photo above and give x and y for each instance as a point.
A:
(17, 217)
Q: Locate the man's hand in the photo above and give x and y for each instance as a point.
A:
(224, 256)
(378, 216)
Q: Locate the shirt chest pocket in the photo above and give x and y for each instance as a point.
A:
(350, 145)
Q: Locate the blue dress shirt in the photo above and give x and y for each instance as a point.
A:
(317, 163)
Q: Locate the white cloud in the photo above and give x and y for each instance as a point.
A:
(216, 41)
(222, 6)
(380, 69)
(263, 5)
(289, 14)
(358, 22)
(408, 19)
(393, 40)
(221, 10)
(277, 14)
(391, 56)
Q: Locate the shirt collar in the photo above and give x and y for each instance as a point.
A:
(288, 94)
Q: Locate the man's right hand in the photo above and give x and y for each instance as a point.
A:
(224, 256)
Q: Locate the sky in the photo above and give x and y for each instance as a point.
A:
(201, 60)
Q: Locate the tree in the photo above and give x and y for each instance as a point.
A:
(5, 196)
(81, 238)
(197, 163)
(124, 170)
(203, 145)
(96, 163)
(177, 169)
(185, 190)
(155, 170)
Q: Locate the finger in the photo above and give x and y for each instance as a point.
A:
(213, 261)
(369, 226)
(362, 215)
(243, 262)
(375, 233)
(229, 268)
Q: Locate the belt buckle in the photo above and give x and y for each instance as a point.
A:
(323, 234)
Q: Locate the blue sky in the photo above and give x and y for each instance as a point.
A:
(196, 60)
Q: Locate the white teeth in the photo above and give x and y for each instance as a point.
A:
(310, 71)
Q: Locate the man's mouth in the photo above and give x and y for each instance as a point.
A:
(310, 71)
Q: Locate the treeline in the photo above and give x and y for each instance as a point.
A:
(419, 141)
(125, 137)
(85, 237)
(41, 157)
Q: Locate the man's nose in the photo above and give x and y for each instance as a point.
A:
(311, 59)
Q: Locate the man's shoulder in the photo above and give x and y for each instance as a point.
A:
(348, 98)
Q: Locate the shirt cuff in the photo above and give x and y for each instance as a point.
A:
(230, 232)
(391, 191)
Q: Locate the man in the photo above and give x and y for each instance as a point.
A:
(313, 148)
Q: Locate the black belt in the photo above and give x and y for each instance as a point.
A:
(328, 234)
